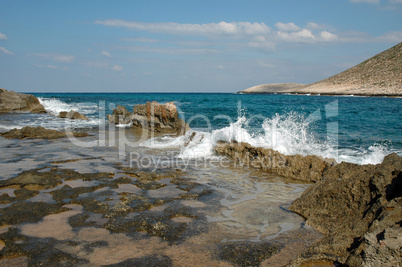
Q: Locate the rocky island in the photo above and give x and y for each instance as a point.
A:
(380, 75)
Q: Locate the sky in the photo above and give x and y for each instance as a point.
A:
(187, 46)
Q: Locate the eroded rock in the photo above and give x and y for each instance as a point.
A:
(38, 132)
(11, 101)
(356, 207)
(72, 115)
(151, 116)
(306, 168)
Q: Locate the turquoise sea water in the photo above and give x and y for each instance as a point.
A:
(354, 129)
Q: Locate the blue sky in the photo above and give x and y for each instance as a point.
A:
(187, 46)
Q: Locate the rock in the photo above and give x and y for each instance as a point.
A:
(151, 116)
(352, 204)
(120, 116)
(357, 207)
(37, 132)
(73, 115)
(11, 101)
(309, 168)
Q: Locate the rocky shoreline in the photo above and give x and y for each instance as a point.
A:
(356, 207)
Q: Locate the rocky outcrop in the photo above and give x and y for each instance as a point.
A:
(120, 116)
(357, 207)
(306, 168)
(11, 101)
(377, 76)
(151, 116)
(72, 115)
(37, 132)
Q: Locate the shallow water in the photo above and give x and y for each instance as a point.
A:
(242, 205)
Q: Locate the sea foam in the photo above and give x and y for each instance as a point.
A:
(289, 134)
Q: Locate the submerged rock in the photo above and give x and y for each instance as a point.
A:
(72, 115)
(38, 132)
(151, 116)
(11, 101)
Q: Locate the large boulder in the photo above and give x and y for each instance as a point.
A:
(151, 116)
(72, 115)
(37, 132)
(11, 101)
(357, 207)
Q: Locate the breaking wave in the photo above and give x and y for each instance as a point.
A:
(289, 134)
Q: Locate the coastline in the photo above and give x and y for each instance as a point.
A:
(110, 192)
(321, 94)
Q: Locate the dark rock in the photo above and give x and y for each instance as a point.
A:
(247, 253)
(72, 115)
(38, 132)
(151, 116)
(149, 261)
(27, 212)
(11, 101)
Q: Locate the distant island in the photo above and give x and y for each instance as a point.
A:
(380, 75)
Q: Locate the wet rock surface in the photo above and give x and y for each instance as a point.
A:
(356, 207)
(123, 218)
(124, 212)
(306, 168)
(11, 101)
(38, 132)
(151, 116)
(72, 115)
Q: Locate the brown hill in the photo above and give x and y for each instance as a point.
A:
(379, 75)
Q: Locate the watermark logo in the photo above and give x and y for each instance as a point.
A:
(288, 134)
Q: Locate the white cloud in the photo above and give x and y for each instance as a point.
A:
(314, 26)
(304, 35)
(49, 66)
(327, 36)
(141, 40)
(57, 57)
(5, 51)
(97, 65)
(394, 37)
(209, 29)
(63, 58)
(395, 1)
(365, 1)
(287, 27)
(106, 54)
(117, 68)
(3, 36)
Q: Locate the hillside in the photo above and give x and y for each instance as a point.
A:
(379, 75)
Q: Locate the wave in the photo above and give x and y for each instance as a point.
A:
(288, 134)
(55, 106)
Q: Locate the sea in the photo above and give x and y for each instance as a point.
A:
(248, 205)
(355, 129)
